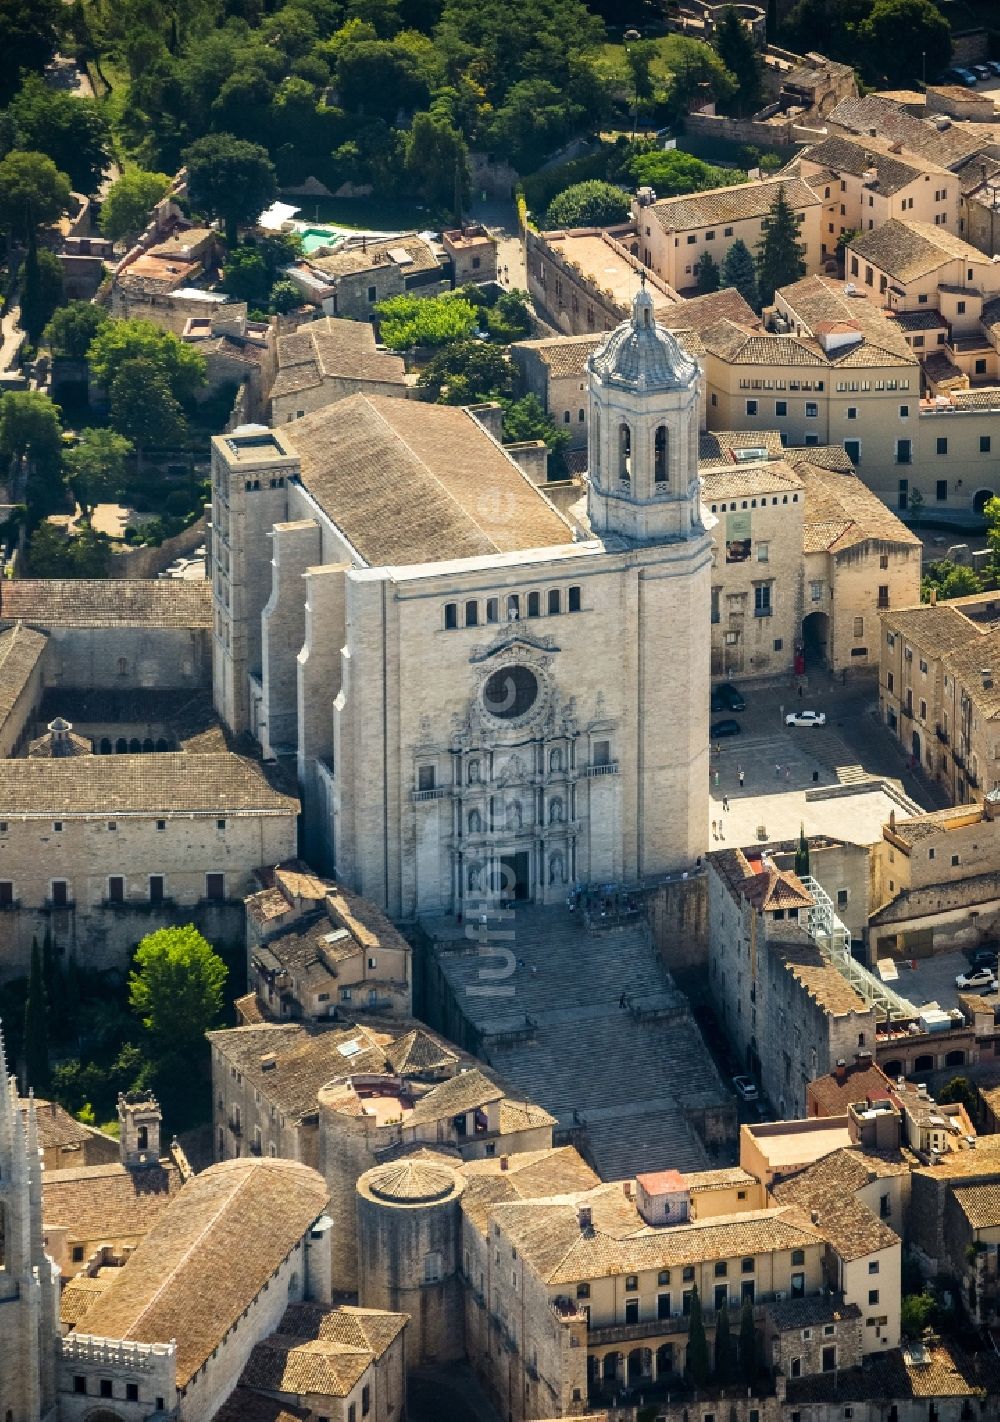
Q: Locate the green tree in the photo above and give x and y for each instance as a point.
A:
(590, 204)
(143, 406)
(991, 513)
(526, 419)
(284, 296)
(906, 40)
(95, 467)
(72, 329)
(468, 373)
(779, 253)
(960, 1091)
(741, 57)
(698, 72)
(41, 291)
(725, 1356)
(673, 173)
(31, 444)
(33, 192)
(699, 1362)
(118, 342)
(640, 56)
(408, 321)
(948, 579)
(52, 555)
(436, 164)
(802, 854)
(509, 319)
(916, 503)
(230, 179)
(739, 271)
(36, 1039)
(708, 274)
(126, 206)
(917, 1312)
(175, 988)
(29, 34)
(748, 1344)
(70, 130)
(245, 275)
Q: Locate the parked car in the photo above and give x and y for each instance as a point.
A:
(725, 728)
(975, 978)
(982, 71)
(726, 698)
(985, 958)
(745, 1088)
(993, 65)
(966, 77)
(806, 718)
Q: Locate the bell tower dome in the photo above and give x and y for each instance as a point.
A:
(643, 455)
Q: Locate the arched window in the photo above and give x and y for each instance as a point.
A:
(105, 745)
(660, 455)
(148, 744)
(142, 1138)
(121, 746)
(475, 822)
(580, 416)
(123, 666)
(624, 452)
(135, 746)
(534, 604)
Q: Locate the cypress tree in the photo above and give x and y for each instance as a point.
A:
(779, 253)
(738, 52)
(802, 853)
(738, 270)
(748, 1344)
(36, 1047)
(52, 976)
(724, 1356)
(708, 275)
(699, 1363)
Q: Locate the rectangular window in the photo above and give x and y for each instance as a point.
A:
(215, 886)
(751, 407)
(372, 293)
(763, 552)
(631, 1310)
(904, 412)
(492, 609)
(157, 884)
(450, 615)
(574, 599)
(80, 1385)
(553, 602)
(798, 1286)
(425, 777)
(601, 753)
(366, 1400)
(534, 604)
(984, 444)
(903, 454)
(859, 627)
(762, 600)
(812, 410)
(852, 412)
(161, 825)
(116, 889)
(873, 1296)
(60, 893)
(663, 1305)
(472, 614)
(781, 407)
(131, 1392)
(873, 1266)
(942, 444)
(852, 448)
(6, 893)
(830, 1358)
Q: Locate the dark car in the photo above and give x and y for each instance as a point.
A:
(727, 698)
(984, 958)
(725, 728)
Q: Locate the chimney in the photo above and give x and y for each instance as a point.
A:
(841, 1071)
(585, 1217)
(627, 1189)
(505, 1162)
(814, 1216)
(892, 819)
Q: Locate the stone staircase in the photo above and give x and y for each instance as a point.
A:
(621, 1077)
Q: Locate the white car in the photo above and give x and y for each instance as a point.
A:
(806, 718)
(745, 1088)
(976, 978)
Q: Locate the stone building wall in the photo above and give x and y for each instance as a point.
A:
(120, 658)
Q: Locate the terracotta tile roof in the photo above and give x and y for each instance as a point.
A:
(110, 602)
(767, 887)
(981, 399)
(149, 785)
(733, 1175)
(248, 1010)
(325, 1352)
(738, 347)
(826, 1189)
(918, 320)
(356, 259)
(193, 1275)
(841, 512)
(741, 480)
(529, 1174)
(549, 1236)
(729, 204)
(907, 250)
(80, 1294)
(107, 1201)
(718, 446)
(843, 155)
(661, 1182)
(830, 1097)
(788, 1314)
(307, 1057)
(698, 313)
(21, 649)
(893, 124)
(417, 1052)
(522, 1116)
(814, 973)
(245, 1405)
(933, 1371)
(464, 1092)
(564, 355)
(821, 456)
(56, 1127)
(331, 348)
(454, 492)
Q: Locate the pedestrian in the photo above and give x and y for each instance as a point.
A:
(714, 835)
(725, 802)
(741, 777)
(721, 835)
(788, 773)
(777, 770)
(621, 1000)
(716, 778)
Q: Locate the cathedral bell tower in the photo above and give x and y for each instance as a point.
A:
(643, 457)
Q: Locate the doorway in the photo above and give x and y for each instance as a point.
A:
(815, 636)
(915, 746)
(515, 877)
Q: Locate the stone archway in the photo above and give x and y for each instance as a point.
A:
(815, 638)
(980, 499)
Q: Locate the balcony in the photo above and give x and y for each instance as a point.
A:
(959, 759)
(610, 769)
(235, 1125)
(942, 735)
(973, 779)
(418, 796)
(658, 1327)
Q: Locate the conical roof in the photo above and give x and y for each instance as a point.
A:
(642, 354)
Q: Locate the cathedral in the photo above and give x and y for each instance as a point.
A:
(489, 687)
(29, 1281)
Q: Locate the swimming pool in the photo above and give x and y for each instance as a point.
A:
(315, 237)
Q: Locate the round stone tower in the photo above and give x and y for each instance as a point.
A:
(409, 1252)
(643, 456)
